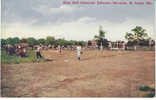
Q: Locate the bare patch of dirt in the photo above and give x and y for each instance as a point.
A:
(97, 74)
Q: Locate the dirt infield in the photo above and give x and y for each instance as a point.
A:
(97, 74)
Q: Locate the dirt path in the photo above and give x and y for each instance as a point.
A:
(98, 74)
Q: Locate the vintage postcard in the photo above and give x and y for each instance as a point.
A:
(78, 48)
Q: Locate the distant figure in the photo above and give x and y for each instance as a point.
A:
(118, 45)
(150, 43)
(24, 52)
(110, 45)
(19, 47)
(135, 47)
(20, 52)
(101, 47)
(59, 49)
(38, 53)
(11, 50)
(124, 46)
(78, 51)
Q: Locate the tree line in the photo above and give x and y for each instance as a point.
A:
(49, 40)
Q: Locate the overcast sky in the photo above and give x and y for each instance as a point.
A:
(41, 18)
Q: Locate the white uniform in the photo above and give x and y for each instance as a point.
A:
(101, 47)
(24, 50)
(78, 51)
(39, 49)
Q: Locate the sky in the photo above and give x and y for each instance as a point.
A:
(42, 18)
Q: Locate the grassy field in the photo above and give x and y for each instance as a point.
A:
(7, 59)
(97, 74)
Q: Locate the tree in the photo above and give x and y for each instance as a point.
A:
(50, 40)
(16, 40)
(42, 41)
(139, 33)
(61, 42)
(13, 41)
(129, 36)
(32, 41)
(72, 42)
(23, 40)
(82, 43)
(139, 37)
(101, 37)
(3, 42)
